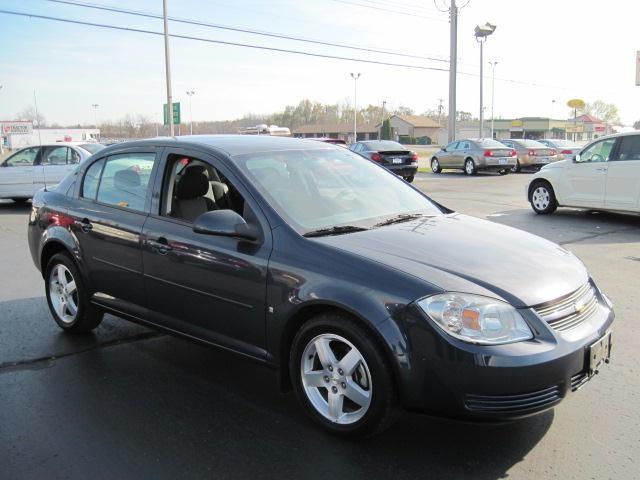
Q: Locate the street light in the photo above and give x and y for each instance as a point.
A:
(355, 77)
(481, 34)
(190, 93)
(493, 85)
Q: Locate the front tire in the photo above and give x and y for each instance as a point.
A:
(470, 167)
(435, 165)
(341, 378)
(67, 297)
(542, 198)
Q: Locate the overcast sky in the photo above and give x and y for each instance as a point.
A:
(546, 50)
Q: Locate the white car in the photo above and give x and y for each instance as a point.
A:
(29, 169)
(604, 175)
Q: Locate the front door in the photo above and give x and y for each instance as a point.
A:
(623, 177)
(16, 174)
(108, 219)
(209, 287)
(445, 157)
(587, 175)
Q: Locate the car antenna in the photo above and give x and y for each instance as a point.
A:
(44, 176)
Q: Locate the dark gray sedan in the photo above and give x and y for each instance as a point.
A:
(391, 155)
(473, 154)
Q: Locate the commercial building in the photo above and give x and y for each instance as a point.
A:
(25, 136)
(343, 131)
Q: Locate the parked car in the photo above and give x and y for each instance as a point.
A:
(30, 168)
(604, 175)
(531, 153)
(333, 141)
(474, 154)
(391, 155)
(323, 265)
(565, 148)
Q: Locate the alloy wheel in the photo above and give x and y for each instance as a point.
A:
(469, 167)
(63, 293)
(435, 166)
(336, 379)
(541, 198)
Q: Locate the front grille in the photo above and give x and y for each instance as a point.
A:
(571, 310)
(513, 403)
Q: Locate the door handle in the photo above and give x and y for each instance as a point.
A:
(602, 169)
(160, 246)
(84, 224)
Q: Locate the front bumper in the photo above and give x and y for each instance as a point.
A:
(444, 376)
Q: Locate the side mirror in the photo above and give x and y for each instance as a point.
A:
(444, 149)
(225, 223)
(576, 158)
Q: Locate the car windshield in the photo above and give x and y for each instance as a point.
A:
(323, 189)
(91, 147)
(383, 145)
(488, 143)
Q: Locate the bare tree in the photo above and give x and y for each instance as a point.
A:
(604, 111)
(28, 114)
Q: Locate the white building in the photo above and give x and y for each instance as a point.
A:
(15, 140)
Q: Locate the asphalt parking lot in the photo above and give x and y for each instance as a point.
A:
(127, 402)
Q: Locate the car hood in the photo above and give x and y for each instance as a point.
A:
(459, 253)
(558, 164)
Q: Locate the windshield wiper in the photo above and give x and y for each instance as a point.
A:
(337, 230)
(403, 217)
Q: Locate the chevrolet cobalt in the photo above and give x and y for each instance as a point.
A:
(364, 294)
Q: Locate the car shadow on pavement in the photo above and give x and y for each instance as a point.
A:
(166, 408)
(569, 225)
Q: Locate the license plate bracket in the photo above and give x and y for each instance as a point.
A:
(599, 353)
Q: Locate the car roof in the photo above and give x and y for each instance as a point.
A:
(229, 144)
(56, 144)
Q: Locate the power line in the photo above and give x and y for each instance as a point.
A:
(221, 42)
(241, 30)
(388, 10)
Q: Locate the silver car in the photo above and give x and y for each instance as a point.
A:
(565, 148)
(531, 153)
(26, 171)
(474, 154)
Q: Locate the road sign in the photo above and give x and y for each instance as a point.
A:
(176, 113)
(575, 103)
(638, 68)
(16, 128)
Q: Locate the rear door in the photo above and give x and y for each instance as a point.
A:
(16, 173)
(114, 197)
(57, 162)
(623, 176)
(587, 175)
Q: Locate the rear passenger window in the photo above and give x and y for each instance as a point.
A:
(629, 148)
(125, 180)
(91, 179)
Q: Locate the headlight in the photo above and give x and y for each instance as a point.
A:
(476, 319)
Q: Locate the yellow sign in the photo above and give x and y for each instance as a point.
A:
(575, 103)
(516, 123)
(574, 128)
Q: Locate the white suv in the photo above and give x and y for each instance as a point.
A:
(605, 175)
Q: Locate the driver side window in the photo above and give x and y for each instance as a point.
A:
(598, 152)
(451, 146)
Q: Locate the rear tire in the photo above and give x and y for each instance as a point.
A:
(516, 168)
(470, 167)
(435, 165)
(20, 201)
(542, 197)
(341, 377)
(410, 178)
(504, 171)
(67, 297)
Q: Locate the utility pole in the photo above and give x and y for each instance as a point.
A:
(481, 34)
(355, 77)
(167, 64)
(190, 93)
(384, 104)
(453, 68)
(493, 91)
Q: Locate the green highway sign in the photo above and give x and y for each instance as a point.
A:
(176, 113)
